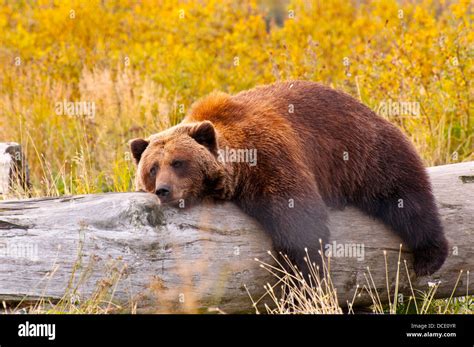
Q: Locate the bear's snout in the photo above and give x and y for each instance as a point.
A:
(163, 192)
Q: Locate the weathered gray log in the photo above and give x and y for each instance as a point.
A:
(201, 258)
(14, 171)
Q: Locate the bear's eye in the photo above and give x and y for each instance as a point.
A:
(177, 163)
(153, 171)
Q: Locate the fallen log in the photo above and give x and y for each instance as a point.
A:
(169, 260)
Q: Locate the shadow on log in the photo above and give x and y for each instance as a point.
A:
(195, 260)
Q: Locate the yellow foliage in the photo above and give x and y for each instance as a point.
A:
(143, 63)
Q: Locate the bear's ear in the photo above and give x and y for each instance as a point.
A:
(205, 134)
(138, 146)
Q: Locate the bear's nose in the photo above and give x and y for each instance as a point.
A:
(163, 191)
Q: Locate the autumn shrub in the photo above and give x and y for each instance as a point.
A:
(142, 64)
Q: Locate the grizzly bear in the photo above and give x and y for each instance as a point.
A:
(316, 148)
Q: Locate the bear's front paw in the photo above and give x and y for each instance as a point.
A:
(428, 260)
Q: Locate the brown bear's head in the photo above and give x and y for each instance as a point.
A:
(180, 165)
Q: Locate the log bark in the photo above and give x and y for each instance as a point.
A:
(199, 259)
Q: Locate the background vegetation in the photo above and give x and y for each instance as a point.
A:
(144, 62)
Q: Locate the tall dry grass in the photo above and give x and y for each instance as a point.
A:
(293, 293)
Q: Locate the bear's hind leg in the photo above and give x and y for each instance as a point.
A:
(414, 217)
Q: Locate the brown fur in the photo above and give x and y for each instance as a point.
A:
(301, 160)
